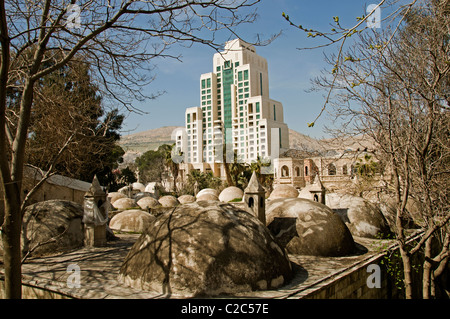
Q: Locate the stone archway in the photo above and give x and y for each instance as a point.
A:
(284, 171)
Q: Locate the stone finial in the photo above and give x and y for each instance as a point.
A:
(254, 186)
(318, 190)
(95, 215)
(317, 184)
(95, 189)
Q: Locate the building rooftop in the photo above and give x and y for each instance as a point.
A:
(99, 268)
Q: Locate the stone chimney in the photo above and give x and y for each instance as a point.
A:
(95, 215)
(254, 198)
(317, 190)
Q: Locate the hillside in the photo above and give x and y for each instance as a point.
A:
(147, 140)
(138, 143)
(304, 142)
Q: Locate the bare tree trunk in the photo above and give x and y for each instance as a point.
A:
(407, 278)
(53, 38)
(11, 242)
(427, 270)
(11, 223)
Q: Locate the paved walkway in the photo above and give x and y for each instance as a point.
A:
(99, 268)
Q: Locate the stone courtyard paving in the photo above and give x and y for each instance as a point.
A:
(99, 268)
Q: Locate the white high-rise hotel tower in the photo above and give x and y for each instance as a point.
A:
(235, 110)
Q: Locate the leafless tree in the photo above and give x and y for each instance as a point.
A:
(395, 89)
(117, 39)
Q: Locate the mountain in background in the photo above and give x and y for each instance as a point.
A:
(138, 143)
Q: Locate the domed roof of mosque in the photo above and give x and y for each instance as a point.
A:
(44, 221)
(113, 196)
(168, 201)
(208, 191)
(207, 197)
(186, 199)
(133, 220)
(306, 227)
(148, 202)
(206, 249)
(283, 191)
(138, 186)
(363, 218)
(230, 193)
(124, 203)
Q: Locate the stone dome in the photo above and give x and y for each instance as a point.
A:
(363, 218)
(43, 221)
(387, 205)
(152, 187)
(168, 201)
(113, 196)
(124, 203)
(306, 227)
(207, 197)
(132, 220)
(186, 199)
(208, 191)
(206, 249)
(141, 195)
(148, 202)
(283, 191)
(125, 190)
(138, 187)
(230, 193)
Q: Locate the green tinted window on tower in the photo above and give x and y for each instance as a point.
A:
(208, 83)
(279, 135)
(245, 74)
(257, 107)
(203, 84)
(261, 83)
(227, 82)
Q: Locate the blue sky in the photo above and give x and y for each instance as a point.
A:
(290, 69)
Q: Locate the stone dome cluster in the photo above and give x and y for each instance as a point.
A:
(216, 243)
(145, 202)
(213, 244)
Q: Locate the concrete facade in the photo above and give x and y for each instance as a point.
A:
(235, 111)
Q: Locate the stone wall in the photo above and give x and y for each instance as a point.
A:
(34, 292)
(56, 187)
(352, 284)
